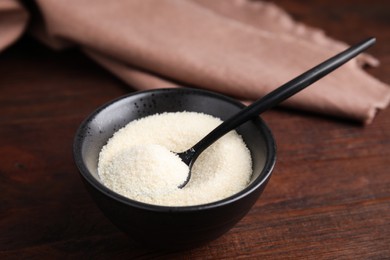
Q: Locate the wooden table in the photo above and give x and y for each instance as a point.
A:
(329, 196)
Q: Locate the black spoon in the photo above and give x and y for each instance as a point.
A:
(271, 99)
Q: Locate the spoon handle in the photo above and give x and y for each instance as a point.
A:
(283, 92)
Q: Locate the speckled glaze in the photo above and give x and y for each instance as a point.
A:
(171, 227)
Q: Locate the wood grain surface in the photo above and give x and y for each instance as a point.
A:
(329, 197)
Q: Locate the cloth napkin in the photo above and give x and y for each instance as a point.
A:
(13, 21)
(240, 48)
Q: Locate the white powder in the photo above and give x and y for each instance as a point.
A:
(136, 161)
(154, 169)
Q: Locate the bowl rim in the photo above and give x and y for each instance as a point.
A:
(88, 176)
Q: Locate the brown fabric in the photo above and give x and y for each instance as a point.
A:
(237, 47)
(13, 20)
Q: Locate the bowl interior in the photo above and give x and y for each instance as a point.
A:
(95, 131)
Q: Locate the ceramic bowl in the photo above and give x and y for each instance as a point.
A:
(171, 227)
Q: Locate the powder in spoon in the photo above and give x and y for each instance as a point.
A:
(137, 163)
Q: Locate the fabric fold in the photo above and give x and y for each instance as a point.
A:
(240, 48)
(13, 21)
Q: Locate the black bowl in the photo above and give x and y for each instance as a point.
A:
(171, 227)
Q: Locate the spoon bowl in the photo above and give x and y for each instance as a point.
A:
(169, 226)
(272, 99)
